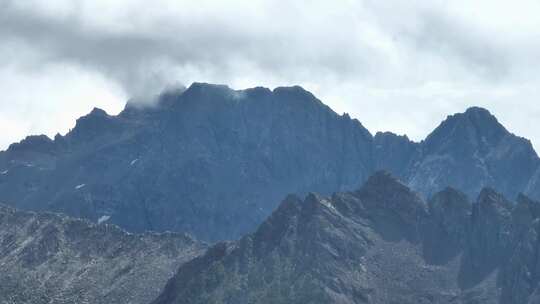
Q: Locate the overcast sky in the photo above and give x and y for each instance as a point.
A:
(400, 66)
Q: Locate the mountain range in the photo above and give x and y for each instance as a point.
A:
(451, 219)
(51, 258)
(214, 162)
(380, 244)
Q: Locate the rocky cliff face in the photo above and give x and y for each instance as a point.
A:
(213, 161)
(381, 244)
(472, 150)
(50, 258)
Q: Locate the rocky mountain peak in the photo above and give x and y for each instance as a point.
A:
(448, 226)
(97, 112)
(294, 211)
(258, 92)
(199, 89)
(479, 119)
(280, 221)
(383, 180)
(485, 123)
(450, 203)
(475, 129)
(296, 91)
(34, 143)
(298, 97)
(479, 114)
(491, 202)
(93, 125)
(490, 238)
(384, 195)
(383, 186)
(474, 151)
(451, 209)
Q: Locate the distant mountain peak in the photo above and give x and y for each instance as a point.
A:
(482, 118)
(203, 86)
(476, 128)
(382, 181)
(384, 192)
(451, 209)
(98, 112)
(296, 93)
(258, 91)
(91, 126)
(292, 89)
(492, 203)
(41, 143)
(476, 110)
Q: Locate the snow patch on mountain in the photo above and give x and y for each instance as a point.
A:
(103, 218)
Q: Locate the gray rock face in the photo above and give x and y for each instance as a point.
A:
(533, 187)
(448, 227)
(381, 244)
(213, 161)
(50, 258)
(470, 151)
(394, 153)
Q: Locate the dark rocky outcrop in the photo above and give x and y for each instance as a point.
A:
(50, 258)
(381, 244)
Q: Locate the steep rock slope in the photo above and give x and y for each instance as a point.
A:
(50, 258)
(381, 244)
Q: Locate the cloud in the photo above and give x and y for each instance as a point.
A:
(48, 100)
(395, 65)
